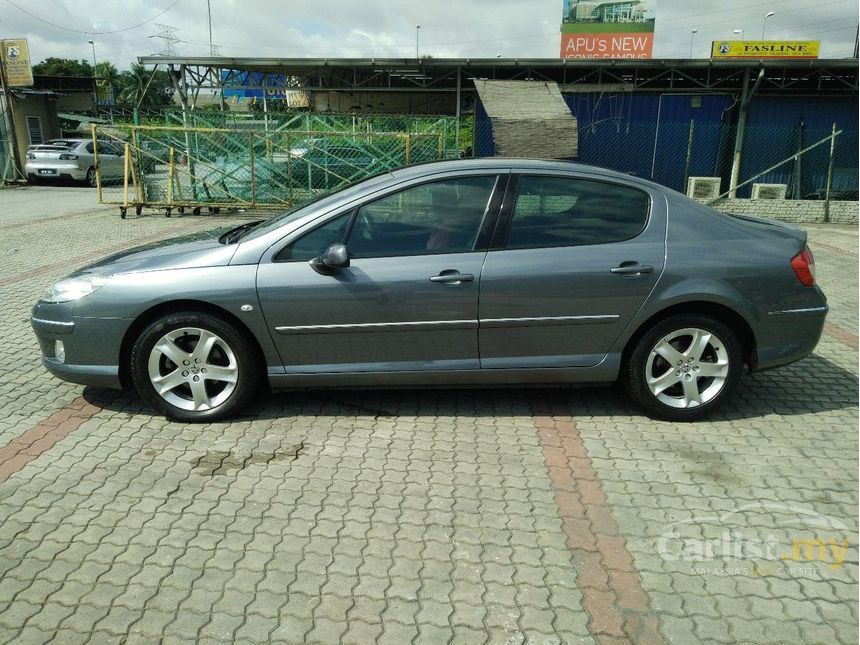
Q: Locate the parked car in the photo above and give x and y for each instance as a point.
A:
(234, 179)
(153, 153)
(585, 276)
(329, 166)
(73, 159)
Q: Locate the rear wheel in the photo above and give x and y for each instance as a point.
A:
(195, 367)
(684, 367)
(90, 179)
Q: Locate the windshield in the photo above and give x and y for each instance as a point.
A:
(318, 201)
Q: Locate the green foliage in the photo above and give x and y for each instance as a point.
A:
(131, 88)
(63, 67)
(136, 88)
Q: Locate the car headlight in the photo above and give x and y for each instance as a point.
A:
(74, 288)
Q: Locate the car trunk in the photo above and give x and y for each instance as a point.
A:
(50, 151)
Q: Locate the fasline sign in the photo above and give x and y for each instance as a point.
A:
(765, 49)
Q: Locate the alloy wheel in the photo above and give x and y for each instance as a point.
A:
(687, 368)
(193, 369)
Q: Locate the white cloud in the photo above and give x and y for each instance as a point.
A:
(372, 28)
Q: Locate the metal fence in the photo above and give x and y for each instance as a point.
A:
(456, 132)
(182, 167)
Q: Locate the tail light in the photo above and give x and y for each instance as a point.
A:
(804, 266)
(68, 157)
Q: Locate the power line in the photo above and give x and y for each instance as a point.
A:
(91, 33)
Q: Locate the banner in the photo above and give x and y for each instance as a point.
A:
(612, 29)
(765, 49)
(15, 59)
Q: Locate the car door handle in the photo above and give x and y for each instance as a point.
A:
(452, 277)
(632, 268)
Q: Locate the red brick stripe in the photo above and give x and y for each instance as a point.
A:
(42, 437)
(842, 335)
(611, 589)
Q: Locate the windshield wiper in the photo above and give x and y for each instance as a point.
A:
(234, 234)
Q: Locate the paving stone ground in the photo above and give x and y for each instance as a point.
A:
(497, 516)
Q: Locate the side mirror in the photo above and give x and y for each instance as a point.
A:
(335, 257)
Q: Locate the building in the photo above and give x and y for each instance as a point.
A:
(34, 114)
(665, 120)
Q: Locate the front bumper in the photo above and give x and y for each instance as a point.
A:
(92, 345)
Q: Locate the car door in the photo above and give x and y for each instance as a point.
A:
(110, 160)
(573, 260)
(408, 301)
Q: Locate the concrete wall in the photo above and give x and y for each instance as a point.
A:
(800, 211)
(41, 106)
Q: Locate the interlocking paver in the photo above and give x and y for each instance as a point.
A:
(435, 515)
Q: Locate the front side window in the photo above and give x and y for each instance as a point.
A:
(559, 211)
(314, 243)
(439, 217)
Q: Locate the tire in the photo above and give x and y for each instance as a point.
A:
(684, 367)
(189, 391)
(90, 179)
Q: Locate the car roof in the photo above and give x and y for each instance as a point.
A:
(512, 163)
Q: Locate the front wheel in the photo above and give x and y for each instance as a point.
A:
(684, 367)
(195, 367)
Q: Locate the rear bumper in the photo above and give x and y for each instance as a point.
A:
(59, 170)
(788, 336)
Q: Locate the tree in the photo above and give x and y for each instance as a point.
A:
(108, 80)
(136, 88)
(63, 67)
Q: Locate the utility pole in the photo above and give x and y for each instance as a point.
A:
(209, 11)
(95, 82)
(770, 14)
(417, 32)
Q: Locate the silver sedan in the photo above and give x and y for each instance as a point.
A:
(73, 159)
(473, 272)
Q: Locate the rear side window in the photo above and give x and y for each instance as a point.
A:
(559, 211)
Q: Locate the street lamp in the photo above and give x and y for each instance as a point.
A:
(693, 33)
(417, 31)
(95, 88)
(739, 31)
(764, 23)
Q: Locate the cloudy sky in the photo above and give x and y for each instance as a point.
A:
(125, 29)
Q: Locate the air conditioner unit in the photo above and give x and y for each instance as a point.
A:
(703, 187)
(769, 191)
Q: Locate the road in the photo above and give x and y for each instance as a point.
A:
(467, 516)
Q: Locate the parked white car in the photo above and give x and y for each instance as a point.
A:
(73, 159)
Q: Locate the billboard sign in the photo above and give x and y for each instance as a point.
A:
(15, 57)
(765, 49)
(612, 29)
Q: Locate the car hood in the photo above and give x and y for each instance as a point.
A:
(196, 250)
